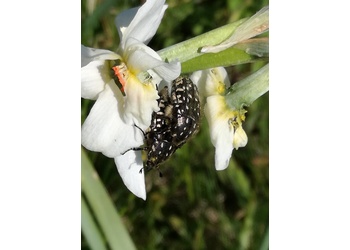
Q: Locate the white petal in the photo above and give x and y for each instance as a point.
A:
(240, 138)
(141, 58)
(123, 20)
(168, 71)
(211, 81)
(221, 132)
(199, 78)
(140, 102)
(90, 54)
(104, 130)
(94, 76)
(223, 152)
(217, 81)
(140, 23)
(129, 166)
(226, 130)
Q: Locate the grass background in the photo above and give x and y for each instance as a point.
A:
(192, 206)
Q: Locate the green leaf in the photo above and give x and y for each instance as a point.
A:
(90, 229)
(247, 231)
(265, 242)
(102, 206)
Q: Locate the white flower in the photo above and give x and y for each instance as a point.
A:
(226, 130)
(225, 124)
(124, 87)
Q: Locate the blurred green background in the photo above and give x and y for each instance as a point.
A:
(192, 206)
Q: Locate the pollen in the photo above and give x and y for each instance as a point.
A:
(120, 75)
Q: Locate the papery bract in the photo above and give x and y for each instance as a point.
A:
(255, 25)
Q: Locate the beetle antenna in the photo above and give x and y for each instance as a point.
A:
(143, 132)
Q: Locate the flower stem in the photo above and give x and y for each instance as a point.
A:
(190, 48)
(246, 91)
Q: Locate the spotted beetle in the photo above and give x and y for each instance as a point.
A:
(158, 137)
(186, 111)
(174, 124)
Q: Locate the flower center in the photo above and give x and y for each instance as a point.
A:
(120, 74)
(144, 77)
(221, 89)
(236, 120)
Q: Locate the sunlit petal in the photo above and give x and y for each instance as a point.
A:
(221, 132)
(123, 20)
(240, 138)
(211, 81)
(104, 130)
(168, 71)
(142, 58)
(140, 102)
(223, 152)
(129, 166)
(140, 23)
(94, 76)
(90, 54)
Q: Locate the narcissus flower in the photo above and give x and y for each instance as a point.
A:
(225, 123)
(124, 85)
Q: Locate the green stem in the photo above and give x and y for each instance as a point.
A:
(190, 48)
(246, 91)
(225, 40)
(188, 52)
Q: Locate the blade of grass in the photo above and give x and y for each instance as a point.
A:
(92, 21)
(246, 233)
(103, 208)
(90, 229)
(265, 242)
